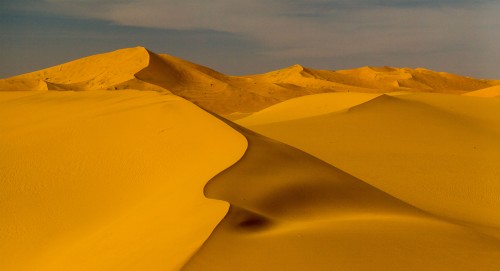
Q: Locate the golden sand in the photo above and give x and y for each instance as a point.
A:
(107, 180)
(105, 167)
(437, 152)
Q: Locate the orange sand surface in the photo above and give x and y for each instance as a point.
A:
(109, 163)
(489, 92)
(107, 180)
(438, 152)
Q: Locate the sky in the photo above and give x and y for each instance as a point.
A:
(247, 37)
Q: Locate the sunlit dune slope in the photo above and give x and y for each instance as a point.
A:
(115, 70)
(141, 69)
(292, 211)
(307, 106)
(106, 180)
(372, 80)
(490, 92)
(437, 152)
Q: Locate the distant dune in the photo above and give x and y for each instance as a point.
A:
(138, 68)
(106, 163)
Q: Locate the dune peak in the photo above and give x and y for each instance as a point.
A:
(296, 67)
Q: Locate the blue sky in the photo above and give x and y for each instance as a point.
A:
(244, 37)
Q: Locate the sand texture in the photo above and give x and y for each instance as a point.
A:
(132, 160)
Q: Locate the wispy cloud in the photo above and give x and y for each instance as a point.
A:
(313, 28)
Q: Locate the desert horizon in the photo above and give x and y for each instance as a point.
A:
(133, 160)
(140, 68)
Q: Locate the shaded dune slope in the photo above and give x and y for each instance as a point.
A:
(292, 211)
(109, 71)
(137, 68)
(437, 152)
(282, 179)
(131, 68)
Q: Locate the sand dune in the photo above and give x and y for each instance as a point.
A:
(115, 70)
(438, 152)
(373, 80)
(292, 211)
(307, 106)
(106, 164)
(107, 180)
(488, 92)
(139, 68)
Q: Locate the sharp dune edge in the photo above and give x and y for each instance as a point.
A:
(292, 211)
(106, 164)
(418, 147)
(106, 180)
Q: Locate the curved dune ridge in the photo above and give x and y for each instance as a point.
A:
(438, 152)
(106, 163)
(107, 181)
(292, 211)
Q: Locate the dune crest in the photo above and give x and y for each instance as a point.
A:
(417, 147)
(292, 211)
(101, 180)
(109, 71)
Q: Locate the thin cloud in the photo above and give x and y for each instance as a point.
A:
(312, 28)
